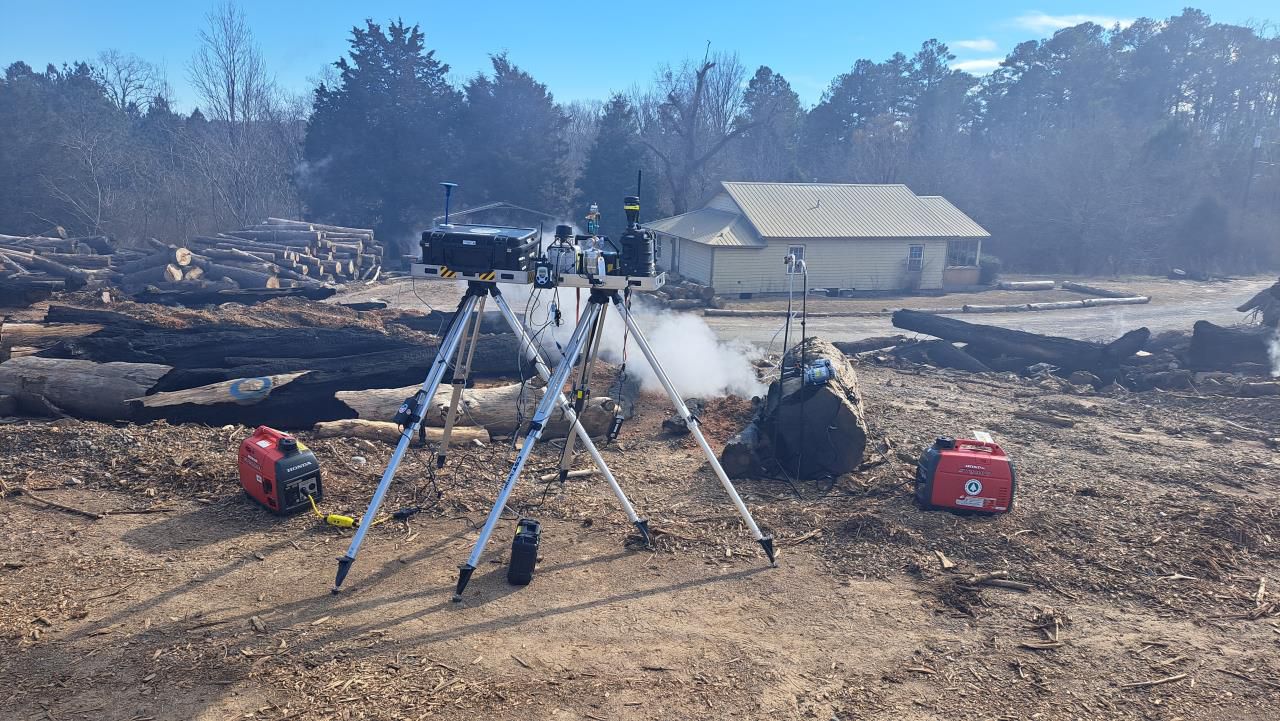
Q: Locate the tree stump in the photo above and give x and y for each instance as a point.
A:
(814, 431)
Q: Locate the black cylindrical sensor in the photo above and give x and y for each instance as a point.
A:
(631, 204)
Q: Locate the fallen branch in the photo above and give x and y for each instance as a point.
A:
(1155, 682)
(549, 477)
(390, 432)
(1041, 645)
(54, 504)
(1059, 421)
(1004, 583)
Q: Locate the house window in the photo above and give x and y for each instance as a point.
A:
(915, 259)
(962, 253)
(798, 252)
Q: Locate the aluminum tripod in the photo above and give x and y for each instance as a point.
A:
(461, 338)
(586, 336)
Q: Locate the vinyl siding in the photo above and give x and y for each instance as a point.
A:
(667, 252)
(862, 264)
(695, 261)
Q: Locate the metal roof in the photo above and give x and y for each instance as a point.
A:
(832, 210)
(953, 217)
(710, 227)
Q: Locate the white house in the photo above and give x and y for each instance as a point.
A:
(852, 237)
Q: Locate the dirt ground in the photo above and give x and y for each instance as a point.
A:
(1145, 546)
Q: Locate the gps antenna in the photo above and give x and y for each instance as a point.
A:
(448, 192)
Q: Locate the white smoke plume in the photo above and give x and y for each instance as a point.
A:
(698, 363)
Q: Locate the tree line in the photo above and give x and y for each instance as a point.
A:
(1097, 150)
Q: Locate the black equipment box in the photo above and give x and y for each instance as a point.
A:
(524, 552)
(480, 248)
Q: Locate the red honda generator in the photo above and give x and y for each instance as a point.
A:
(965, 476)
(279, 472)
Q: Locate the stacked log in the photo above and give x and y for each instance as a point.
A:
(283, 253)
(683, 294)
(34, 267)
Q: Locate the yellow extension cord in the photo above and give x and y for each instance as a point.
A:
(338, 520)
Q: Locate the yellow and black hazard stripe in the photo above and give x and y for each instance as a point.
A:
(446, 273)
(488, 276)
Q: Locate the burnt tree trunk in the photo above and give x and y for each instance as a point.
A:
(942, 354)
(989, 340)
(1215, 347)
(813, 431)
(97, 391)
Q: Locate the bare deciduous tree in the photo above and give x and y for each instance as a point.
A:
(128, 80)
(689, 117)
(248, 153)
(228, 71)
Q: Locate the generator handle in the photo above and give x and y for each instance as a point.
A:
(984, 446)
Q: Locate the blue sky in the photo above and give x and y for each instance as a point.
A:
(581, 50)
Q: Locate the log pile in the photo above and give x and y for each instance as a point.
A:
(108, 365)
(34, 267)
(1223, 360)
(258, 262)
(280, 253)
(682, 294)
(1005, 349)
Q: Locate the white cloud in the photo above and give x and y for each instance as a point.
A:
(981, 66)
(982, 45)
(1045, 23)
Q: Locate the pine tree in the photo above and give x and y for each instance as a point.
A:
(513, 133)
(379, 141)
(610, 171)
(772, 114)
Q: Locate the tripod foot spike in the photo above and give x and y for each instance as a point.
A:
(464, 576)
(642, 526)
(767, 544)
(344, 565)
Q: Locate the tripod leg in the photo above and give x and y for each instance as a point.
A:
(461, 371)
(535, 356)
(540, 417)
(448, 345)
(583, 389)
(766, 542)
